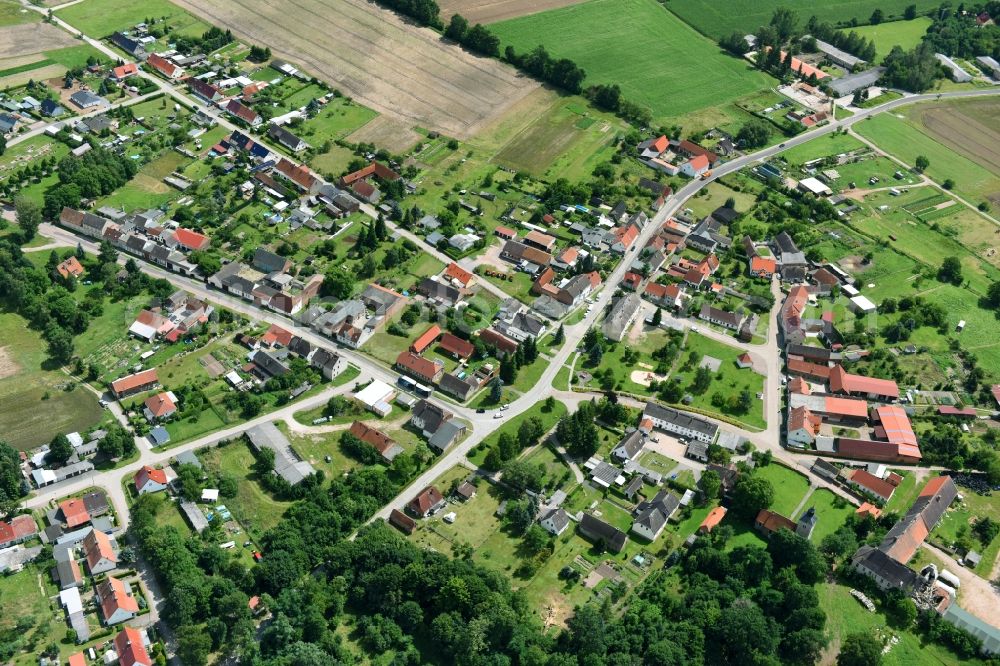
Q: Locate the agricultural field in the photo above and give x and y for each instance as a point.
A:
(12, 13)
(36, 400)
(100, 18)
(976, 177)
(492, 11)
(382, 61)
(17, 41)
(718, 20)
(648, 52)
(905, 34)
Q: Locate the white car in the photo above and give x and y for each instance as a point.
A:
(498, 415)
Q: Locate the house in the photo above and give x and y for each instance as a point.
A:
(665, 295)
(602, 533)
(239, 110)
(456, 347)
(426, 502)
(401, 521)
(149, 480)
(768, 522)
(681, 423)
(652, 148)
(51, 108)
(887, 573)
(621, 316)
(18, 530)
(86, 99)
(458, 276)
(803, 427)
(428, 417)
(287, 463)
(423, 369)
(870, 485)
(902, 541)
(567, 260)
(651, 517)
(465, 491)
(385, 445)
(190, 240)
(529, 259)
(99, 552)
(299, 175)
(269, 262)
(122, 72)
(286, 138)
(204, 90)
(731, 320)
(712, 520)
(130, 648)
(695, 167)
(624, 238)
(539, 240)
(74, 512)
(630, 446)
(870, 387)
(114, 598)
(554, 521)
(764, 267)
(164, 66)
(68, 572)
(70, 268)
(498, 341)
(131, 46)
(426, 339)
(460, 388)
(160, 406)
(134, 383)
(446, 435)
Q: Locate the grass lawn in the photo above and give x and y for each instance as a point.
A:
(906, 141)
(789, 487)
(12, 13)
(34, 405)
(972, 508)
(72, 57)
(315, 448)
(338, 118)
(715, 195)
(906, 492)
(252, 507)
(147, 189)
(548, 419)
(643, 48)
(905, 34)
(721, 19)
(100, 18)
(831, 509)
(729, 380)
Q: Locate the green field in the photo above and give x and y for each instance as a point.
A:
(905, 34)
(12, 13)
(34, 405)
(719, 19)
(253, 507)
(789, 487)
(832, 511)
(906, 141)
(100, 18)
(658, 61)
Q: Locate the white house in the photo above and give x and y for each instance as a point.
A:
(695, 167)
(555, 521)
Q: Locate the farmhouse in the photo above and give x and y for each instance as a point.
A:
(385, 445)
(423, 369)
(164, 66)
(135, 383)
(652, 516)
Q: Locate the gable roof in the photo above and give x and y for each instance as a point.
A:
(378, 439)
(595, 528)
(873, 484)
(843, 382)
(70, 267)
(135, 380)
(772, 521)
(192, 240)
(97, 546)
(147, 473)
(456, 346)
(425, 500)
(131, 651)
(713, 519)
(298, 174)
(74, 512)
(418, 365)
(160, 404)
(426, 339)
(455, 272)
(115, 596)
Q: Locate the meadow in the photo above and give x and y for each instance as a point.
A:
(658, 61)
(719, 19)
(100, 18)
(905, 34)
(906, 141)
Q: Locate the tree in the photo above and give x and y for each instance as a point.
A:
(910, 12)
(28, 215)
(986, 529)
(457, 28)
(754, 134)
(560, 335)
(117, 443)
(784, 21)
(657, 317)
(60, 345)
(860, 649)
(264, 464)
(11, 483)
(337, 283)
(876, 17)
(523, 475)
(60, 450)
(193, 645)
(950, 271)
(750, 495)
(711, 485)
(921, 163)
(901, 610)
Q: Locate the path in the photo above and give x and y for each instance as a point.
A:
(805, 498)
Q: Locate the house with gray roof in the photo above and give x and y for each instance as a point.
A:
(446, 435)
(287, 463)
(601, 532)
(681, 423)
(623, 313)
(631, 446)
(652, 516)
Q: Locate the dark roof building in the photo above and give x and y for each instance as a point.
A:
(599, 531)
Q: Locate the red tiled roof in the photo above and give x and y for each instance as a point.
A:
(802, 418)
(948, 410)
(846, 407)
(126, 70)
(873, 484)
(70, 267)
(131, 651)
(378, 439)
(160, 64)
(660, 144)
(807, 368)
(147, 473)
(692, 148)
(114, 597)
(457, 346)
(539, 238)
(799, 385)
(74, 512)
(698, 162)
(869, 509)
(241, 111)
(191, 239)
(97, 546)
(374, 169)
(426, 339)
(632, 279)
(498, 340)
(934, 486)
(867, 449)
(772, 522)
(418, 365)
(455, 272)
(843, 382)
(298, 174)
(765, 265)
(794, 305)
(77, 659)
(18, 528)
(160, 404)
(425, 500)
(896, 424)
(133, 381)
(713, 518)
(507, 232)
(277, 334)
(626, 235)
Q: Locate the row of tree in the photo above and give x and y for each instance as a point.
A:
(96, 173)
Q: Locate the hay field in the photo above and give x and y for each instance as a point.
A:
(492, 11)
(402, 71)
(657, 60)
(18, 40)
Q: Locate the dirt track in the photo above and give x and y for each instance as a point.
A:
(493, 11)
(24, 38)
(965, 134)
(405, 72)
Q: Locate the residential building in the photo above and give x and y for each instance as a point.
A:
(99, 552)
(712, 520)
(428, 417)
(135, 383)
(602, 533)
(630, 446)
(652, 516)
(70, 268)
(164, 66)
(554, 521)
(131, 649)
(286, 138)
(385, 445)
(422, 369)
(122, 72)
(446, 435)
(115, 599)
(803, 426)
(731, 320)
(426, 502)
(870, 485)
(887, 573)
(74, 512)
(681, 423)
(18, 530)
(620, 318)
(149, 480)
(287, 463)
(160, 407)
(460, 388)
